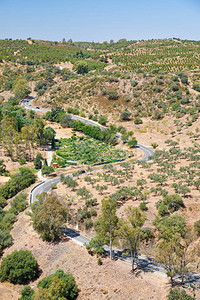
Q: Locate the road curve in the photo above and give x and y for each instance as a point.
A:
(145, 263)
(148, 153)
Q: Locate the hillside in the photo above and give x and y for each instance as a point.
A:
(147, 91)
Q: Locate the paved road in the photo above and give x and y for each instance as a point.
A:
(145, 263)
(148, 153)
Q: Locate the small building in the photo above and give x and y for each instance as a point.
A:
(55, 165)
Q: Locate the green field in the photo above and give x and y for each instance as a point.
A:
(85, 150)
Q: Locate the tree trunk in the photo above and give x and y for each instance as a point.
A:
(110, 249)
(110, 242)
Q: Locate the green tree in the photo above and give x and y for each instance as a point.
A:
(19, 267)
(95, 245)
(38, 161)
(81, 67)
(65, 121)
(5, 239)
(125, 115)
(26, 293)
(168, 255)
(46, 170)
(2, 167)
(57, 286)
(107, 223)
(48, 218)
(102, 120)
(132, 142)
(21, 89)
(130, 231)
(169, 204)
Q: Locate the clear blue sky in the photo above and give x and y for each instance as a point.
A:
(87, 20)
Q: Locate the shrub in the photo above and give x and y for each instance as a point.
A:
(174, 87)
(174, 78)
(22, 160)
(99, 262)
(125, 115)
(138, 121)
(18, 204)
(46, 170)
(197, 227)
(38, 162)
(17, 182)
(5, 240)
(19, 267)
(176, 294)
(127, 99)
(134, 83)
(81, 68)
(196, 87)
(65, 121)
(169, 204)
(143, 206)
(102, 120)
(132, 142)
(69, 287)
(112, 95)
(26, 293)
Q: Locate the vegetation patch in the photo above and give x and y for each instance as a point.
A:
(85, 150)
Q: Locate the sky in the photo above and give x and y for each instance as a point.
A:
(98, 21)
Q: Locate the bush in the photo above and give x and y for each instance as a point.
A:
(46, 170)
(19, 267)
(143, 206)
(169, 204)
(138, 121)
(197, 227)
(196, 87)
(22, 160)
(38, 161)
(174, 78)
(99, 262)
(17, 183)
(81, 68)
(125, 115)
(27, 293)
(102, 120)
(134, 83)
(176, 294)
(112, 95)
(69, 288)
(65, 121)
(5, 240)
(174, 87)
(132, 142)
(18, 204)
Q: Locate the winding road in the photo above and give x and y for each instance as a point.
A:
(45, 186)
(145, 263)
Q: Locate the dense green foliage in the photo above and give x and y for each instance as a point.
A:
(69, 289)
(176, 294)
(38, 161)
(85, 150)
(17, 183)
(103, 135)
(48, 218)
(169, 204)
(19, 267)
(26, 293)
(5, 240)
